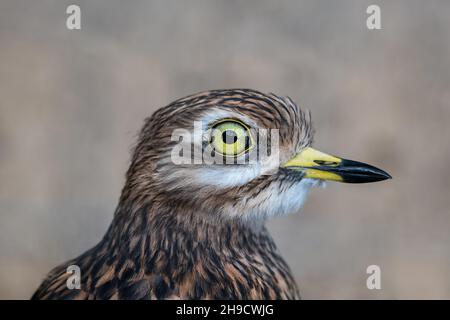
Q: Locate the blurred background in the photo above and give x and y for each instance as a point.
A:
(71, 103)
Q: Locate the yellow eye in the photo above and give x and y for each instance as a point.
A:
(230, 138)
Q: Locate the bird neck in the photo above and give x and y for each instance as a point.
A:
(178, 250)
(175, 229)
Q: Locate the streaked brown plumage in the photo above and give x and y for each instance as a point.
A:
(176, 236)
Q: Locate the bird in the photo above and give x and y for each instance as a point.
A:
(195, 229)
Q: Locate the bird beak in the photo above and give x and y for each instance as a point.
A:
(319, 165)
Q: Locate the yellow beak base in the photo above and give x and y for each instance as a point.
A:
(318, 165)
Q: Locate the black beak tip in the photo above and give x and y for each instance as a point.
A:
(382, 175)
(358, 172)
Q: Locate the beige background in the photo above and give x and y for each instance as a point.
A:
(71, 103)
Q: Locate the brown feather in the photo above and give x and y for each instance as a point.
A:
(167, 241)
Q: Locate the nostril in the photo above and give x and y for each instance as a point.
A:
(325, 163)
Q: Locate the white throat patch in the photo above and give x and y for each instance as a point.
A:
(276, 201)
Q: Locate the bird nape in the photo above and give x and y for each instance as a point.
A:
(207, 172)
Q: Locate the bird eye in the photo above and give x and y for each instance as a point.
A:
(230, 138)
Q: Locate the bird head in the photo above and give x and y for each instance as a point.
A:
(234, 154)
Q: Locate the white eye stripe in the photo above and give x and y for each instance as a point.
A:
(236, 176)
(216, 115)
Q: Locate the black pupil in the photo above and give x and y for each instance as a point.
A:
(229, 137)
